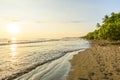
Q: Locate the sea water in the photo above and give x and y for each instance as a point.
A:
(41, 59)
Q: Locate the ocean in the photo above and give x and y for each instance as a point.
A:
(38, 59)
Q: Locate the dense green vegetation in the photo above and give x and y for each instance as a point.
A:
(108, 30)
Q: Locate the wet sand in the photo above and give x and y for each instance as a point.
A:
(100, 62)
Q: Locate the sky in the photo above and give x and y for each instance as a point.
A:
(52, 18)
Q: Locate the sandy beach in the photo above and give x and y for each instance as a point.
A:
(100, 62)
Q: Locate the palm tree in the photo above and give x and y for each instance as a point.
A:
(98, 25)
(105, 18)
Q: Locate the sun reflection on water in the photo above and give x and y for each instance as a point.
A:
(13, 52)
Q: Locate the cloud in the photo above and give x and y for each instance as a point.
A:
(8, 19)
(58, 22)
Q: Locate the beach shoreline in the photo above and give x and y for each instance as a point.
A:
(100, 62)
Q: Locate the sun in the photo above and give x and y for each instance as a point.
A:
(13, 28)
(13, 39)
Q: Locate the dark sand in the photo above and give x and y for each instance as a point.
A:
(100, 62)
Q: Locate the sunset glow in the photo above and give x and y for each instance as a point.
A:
(25, 19)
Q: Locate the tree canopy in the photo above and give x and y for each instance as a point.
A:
(108, 30)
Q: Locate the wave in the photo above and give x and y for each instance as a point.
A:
(9, 42)
(32, 67)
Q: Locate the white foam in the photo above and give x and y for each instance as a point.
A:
(55, 70)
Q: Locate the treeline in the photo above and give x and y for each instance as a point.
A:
(108, 30)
